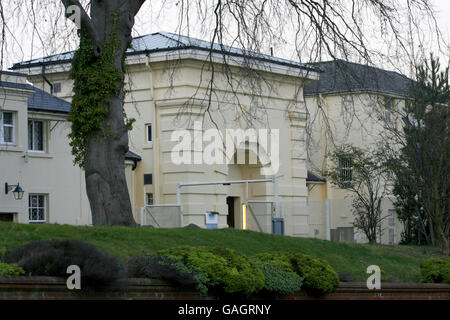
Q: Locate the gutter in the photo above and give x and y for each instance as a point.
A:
(21, 65)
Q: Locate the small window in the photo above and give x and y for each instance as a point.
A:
(56, 87)
(149, 132)
(36, 135)
(148, 178)
(391, 224)
(345, 170)
(37, 208)
(7, 127)
(390, 175)
(149, 199)
(388, 110)
(391, 220)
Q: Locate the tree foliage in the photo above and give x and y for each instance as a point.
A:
(422, 165)
(367, 185)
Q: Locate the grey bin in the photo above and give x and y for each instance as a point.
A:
(278, 226)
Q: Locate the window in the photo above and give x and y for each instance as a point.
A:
(57, 87)
(148, 178)
(7, 127)
(345, 170)
(37, 208)
(149, 199)
(390, 176)
(391, 223)
(148, 132)
(388, 110)
(36, 135)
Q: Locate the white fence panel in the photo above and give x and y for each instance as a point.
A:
(161, 216)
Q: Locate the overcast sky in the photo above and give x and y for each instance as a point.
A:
(150, 20)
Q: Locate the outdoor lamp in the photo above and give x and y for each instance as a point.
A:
(17, 192)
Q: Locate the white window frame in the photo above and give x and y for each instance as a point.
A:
(147, 197)
(2, 126)
(146, 133)
(44, 207)
(44, 136)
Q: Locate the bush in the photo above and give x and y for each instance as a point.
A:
(10, 270)
(279, 281)
(435, 270)
(52, 257)
(318, 276)
(226, 270)
(161, 267)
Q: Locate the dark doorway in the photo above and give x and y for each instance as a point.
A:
(230, 218)
(8, 217)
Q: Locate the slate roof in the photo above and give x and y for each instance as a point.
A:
(339, 76)
(166, 42)
(43, 101)
(39, 100)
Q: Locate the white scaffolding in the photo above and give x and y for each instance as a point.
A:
(190, 184)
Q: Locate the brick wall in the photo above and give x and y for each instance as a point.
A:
(50, 288)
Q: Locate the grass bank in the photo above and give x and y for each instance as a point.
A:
(398, 263)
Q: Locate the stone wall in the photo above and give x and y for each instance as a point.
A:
(50, 288)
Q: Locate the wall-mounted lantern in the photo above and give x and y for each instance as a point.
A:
(17, 192)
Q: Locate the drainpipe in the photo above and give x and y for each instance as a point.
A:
(327, 218)
(178, 191)
(46, 80)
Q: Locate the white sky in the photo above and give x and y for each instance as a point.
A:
(148, 21)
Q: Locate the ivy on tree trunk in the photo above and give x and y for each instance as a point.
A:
(99, 136)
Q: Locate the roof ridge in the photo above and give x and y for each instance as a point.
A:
(164, 34)
(360, 64)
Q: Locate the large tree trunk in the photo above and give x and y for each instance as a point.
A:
(105, 173)
(104, 160)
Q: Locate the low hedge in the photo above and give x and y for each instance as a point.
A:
(435, 270)
(215, 270)
(318, 276)
(279, 281)
(52, 257)
(171, 270)
(227, 270)
(10, 270)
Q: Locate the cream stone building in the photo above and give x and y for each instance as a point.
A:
(35, 154)
(350, 104)
(169, 84)
(169, 78)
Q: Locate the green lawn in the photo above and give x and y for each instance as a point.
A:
(398, 263)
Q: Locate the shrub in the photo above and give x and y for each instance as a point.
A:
(318, 276)
(279, 281)
(161, 267)
(10, 270)
(346, 276)
(226, 270)
(52, 257)
(435, 270)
